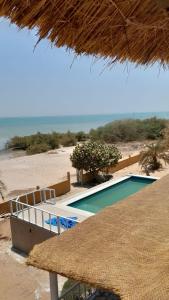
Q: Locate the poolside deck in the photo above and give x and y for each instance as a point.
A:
(45, 211)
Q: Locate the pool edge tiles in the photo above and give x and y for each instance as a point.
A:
(70, 204)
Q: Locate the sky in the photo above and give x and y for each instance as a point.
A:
(49, 81)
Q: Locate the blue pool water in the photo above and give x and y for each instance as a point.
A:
(112, 194)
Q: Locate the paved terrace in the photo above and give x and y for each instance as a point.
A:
(35, 215)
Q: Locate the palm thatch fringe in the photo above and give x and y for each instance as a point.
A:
(136, 30)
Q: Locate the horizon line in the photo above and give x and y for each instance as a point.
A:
(81, 115)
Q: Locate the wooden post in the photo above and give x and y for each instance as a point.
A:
(68, 176)
(54, 294)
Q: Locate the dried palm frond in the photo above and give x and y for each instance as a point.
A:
(113, 29)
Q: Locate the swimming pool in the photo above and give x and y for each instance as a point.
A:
(113, 193)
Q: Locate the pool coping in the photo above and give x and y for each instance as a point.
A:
(63, 204)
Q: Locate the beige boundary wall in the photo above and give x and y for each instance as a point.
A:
(26, 235)
(87, 177)
(60, 188)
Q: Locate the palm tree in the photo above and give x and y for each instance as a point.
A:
(151, 157)
(2, 190)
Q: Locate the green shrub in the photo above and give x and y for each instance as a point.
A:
(68, 139)
(81, 136)
(31, 143)
(18, 142)
(129, 130)
(93, 156)
(37, 148)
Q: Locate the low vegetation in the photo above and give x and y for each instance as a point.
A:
(129, 130)
(40, 142)
(152, 157)
(94, 157)
(117, 131)
(155, 154)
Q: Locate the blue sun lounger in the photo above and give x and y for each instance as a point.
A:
(64, 222)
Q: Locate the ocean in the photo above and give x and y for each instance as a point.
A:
(21, 126)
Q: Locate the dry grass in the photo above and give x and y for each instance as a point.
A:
(118, 30)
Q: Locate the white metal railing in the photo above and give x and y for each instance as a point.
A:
(44, 195)
(39, 216)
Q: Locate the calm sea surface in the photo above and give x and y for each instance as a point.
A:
(10, 127)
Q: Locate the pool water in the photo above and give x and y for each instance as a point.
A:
(112, 194)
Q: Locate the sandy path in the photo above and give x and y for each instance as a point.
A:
(26, 172)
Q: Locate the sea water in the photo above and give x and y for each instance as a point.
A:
(10, 127)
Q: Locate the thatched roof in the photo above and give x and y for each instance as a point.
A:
(137, 30)
(124, 248)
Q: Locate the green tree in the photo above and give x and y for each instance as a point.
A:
(93, 157)
(151, 158)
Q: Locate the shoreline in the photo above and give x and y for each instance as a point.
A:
(9, 154)
(25, 126)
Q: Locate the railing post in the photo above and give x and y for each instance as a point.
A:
(54, 294)
(44, 196)
(50, 225)
(58, 224)
(29, 214)
(27, 202)
(35, 212)
(22, 205)
(34, 201)
(17, 209)
(42, 219)
(11, 207)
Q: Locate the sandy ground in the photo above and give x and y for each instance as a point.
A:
(24, 173)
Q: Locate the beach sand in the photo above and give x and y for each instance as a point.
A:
(23, 174)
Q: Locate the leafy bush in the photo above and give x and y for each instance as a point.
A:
(68, 139)
(18, 142)
(37, 148)
(35, 143)
(151, 158)
(93, 156)
(81, 136)
(129, 130)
